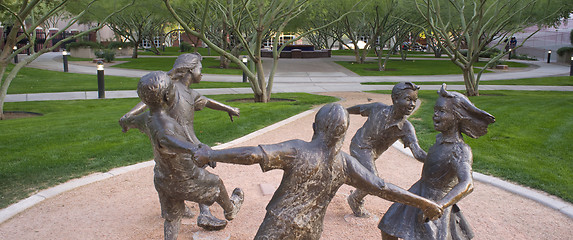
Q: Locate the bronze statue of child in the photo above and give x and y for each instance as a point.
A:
(313, 173)
(384, 126)
(187, 70)
(446, 175)
(176, 176)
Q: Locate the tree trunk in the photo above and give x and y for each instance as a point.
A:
(134, 53)
(223, 62)
(437, 52)
(470, 81)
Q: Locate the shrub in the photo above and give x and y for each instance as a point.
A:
(108, 55)
(492, 52)
(495, 63)
(92, 45)
(561, 51)
(524, 57)
(116, 45)
(185, 47)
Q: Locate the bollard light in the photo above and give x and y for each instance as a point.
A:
(100, 80)
(16, 55)
(509, 57)
(245, 60)
(65, 59)
(549, 56)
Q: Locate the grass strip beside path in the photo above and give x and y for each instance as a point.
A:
(404, 68)
(31, 80)
(76, 138)
(530, 143)
(210, 65)
(542, 81)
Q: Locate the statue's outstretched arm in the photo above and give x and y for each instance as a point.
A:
(360, 177)
(232, 111)
(239, 155)
(138, 109)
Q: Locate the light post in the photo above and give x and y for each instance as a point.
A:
(571, 69)
(549, 56)
(245, 60)
(509, 57)
(100, 80)
(65, 60)
(16, 55)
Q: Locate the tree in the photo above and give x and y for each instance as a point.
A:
(320, 13)
(465, 28)
(143, 20)
(213, 25)
(251, 22)
(26, 16)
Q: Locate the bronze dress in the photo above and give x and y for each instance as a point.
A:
(438, 178)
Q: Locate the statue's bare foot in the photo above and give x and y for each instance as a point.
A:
(357, 207)
(210, 223)
(188, 213)
(237, 199)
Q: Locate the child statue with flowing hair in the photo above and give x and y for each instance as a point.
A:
(446, 175)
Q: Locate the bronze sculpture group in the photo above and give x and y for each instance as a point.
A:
(314, 170)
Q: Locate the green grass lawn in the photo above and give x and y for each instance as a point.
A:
(404, 68)
(543, 81)
(175, 51)
(76, 138)
(31, 80)
(529, 144)
(210, 65)
(350, 52)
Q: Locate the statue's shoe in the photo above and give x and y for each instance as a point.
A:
(210, 223)
(237, 199)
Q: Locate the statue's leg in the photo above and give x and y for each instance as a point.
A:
(188, 213)
(386, 236)
(171, 228)
(207, 221)
(231, 205)
(172, 211)
(356, 198)
(356, 203)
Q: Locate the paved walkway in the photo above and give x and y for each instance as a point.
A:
(308, 79)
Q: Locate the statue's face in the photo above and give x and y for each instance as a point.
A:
(444, 118)
(405, 103)
(196, 74)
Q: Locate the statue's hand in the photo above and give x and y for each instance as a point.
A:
(201, 156)
(432, 212)
(123, 123)
(233, 112)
